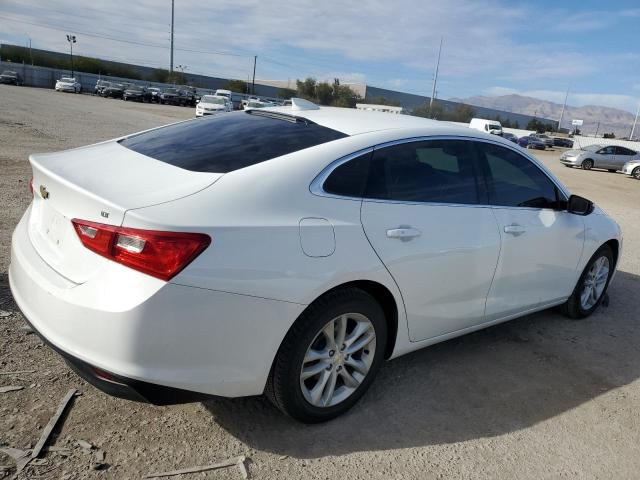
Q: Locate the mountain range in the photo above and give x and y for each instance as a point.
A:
(609, 119)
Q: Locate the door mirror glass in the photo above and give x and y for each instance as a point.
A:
(579, 205)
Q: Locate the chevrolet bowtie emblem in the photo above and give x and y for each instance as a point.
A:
(43, 192)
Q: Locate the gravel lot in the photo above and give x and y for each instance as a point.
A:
(539, 397)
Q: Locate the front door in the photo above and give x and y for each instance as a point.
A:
(423, 213)
(541, 242)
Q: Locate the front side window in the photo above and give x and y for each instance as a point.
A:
(606, 151)
(515, 181)
(440, 171)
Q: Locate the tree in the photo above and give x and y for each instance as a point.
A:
(324, 93)
(307, 88)
(462, 113)
(238, 86)
(286, 93)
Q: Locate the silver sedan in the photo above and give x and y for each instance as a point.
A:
(632, 169)
(608, 157)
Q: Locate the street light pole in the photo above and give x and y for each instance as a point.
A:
(435, 77)
(253, 83)
(71, 39)
(171, 63)
(633, 129)
(564, 105)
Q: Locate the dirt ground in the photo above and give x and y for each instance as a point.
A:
(538, 397)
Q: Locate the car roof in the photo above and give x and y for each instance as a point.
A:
(352, 121)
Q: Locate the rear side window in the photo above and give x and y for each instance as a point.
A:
(440, 171)
(350, 178)
(230, 141)
(514, 180)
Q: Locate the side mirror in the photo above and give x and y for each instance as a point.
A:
(579, 205)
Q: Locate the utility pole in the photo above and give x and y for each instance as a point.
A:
(597, 128)
(435, 78)
(171, 62)
(71, 39)
(564, 105)
(253, 83)
(633, 129)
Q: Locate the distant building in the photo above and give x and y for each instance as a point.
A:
(380, 108)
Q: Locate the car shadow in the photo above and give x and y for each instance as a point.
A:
(492, 382)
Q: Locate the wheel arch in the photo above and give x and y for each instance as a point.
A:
(614, 244)
(385, 299)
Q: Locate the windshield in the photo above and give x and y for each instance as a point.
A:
(592, 148)
(214, 100)
(171, 90)
(68, 80)
(9, 73)
(494, 126)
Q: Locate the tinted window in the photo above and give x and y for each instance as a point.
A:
(223, 143)
(514, 180)
(349, 179)
(431, 171)
(624, 151)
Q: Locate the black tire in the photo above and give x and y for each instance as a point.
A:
(283, 386)
(612, 170)
(573, 307)
(636, 173)
(587, 164)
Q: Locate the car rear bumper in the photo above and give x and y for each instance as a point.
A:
(148, 334)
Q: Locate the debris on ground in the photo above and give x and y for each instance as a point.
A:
(26, 328)
(4, 314)
(83, 444)
(239, 462)
(17, 372)
(52, 423)
(11, 388)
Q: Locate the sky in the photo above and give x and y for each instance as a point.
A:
(490, 47)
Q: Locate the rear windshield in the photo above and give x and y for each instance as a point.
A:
(228, 142)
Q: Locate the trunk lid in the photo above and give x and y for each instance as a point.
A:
(97, 183)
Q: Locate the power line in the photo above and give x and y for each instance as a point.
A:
(130, 42)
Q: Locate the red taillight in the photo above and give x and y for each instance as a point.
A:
(160, 254)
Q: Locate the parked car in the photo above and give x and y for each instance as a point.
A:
(546, 139)
(113, 90)
(137, 93)
(488, 126)
(68, 84)
(189, 95)
(531, 142)
(100, 86)
(510, 136)
(172, 96)
(632, 168)
(562, 142)
(291, 250)
(259, 104)
(155, 94)
(10, 77)
(212, 104)
(609, 157)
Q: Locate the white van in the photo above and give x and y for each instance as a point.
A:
(223, 93)
(488, 126)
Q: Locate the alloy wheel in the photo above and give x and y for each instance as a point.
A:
(636, 173)
(594, 283)
(338, 360)
(587, 164)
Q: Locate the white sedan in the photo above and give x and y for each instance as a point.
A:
(68, 84)
(212, 104)
(291, 250)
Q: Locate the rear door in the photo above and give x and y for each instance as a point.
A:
(541, 242)
(423, 214)
(623, 155)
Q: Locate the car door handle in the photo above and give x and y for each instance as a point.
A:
(514, 229)
(404, 233)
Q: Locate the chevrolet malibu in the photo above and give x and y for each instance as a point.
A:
(291, 250)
